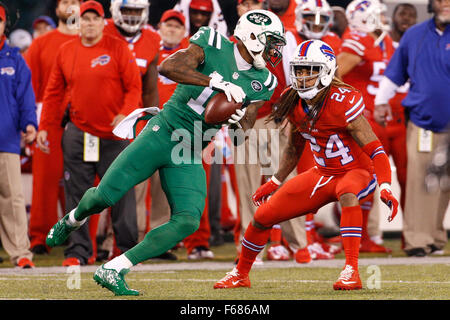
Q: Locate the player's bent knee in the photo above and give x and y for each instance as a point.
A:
(186, 224)
(93, 201)
(348, 200)
(263, 218)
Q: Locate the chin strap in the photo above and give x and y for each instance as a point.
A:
(258, 60)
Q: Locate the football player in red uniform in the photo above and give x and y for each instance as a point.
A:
(313, 21)
(365, 53)
(329, 115)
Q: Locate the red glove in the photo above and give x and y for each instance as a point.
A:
(388, 198)
(263, 192)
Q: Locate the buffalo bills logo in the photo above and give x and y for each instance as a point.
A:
(102, 60)
(10, 71)
(362, 6)
(327, 51)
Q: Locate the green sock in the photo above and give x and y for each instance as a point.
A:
(91, 202)
(163, 238)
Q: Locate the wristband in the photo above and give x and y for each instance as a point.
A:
(275, 180)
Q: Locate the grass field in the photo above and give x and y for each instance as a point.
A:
(383, 279)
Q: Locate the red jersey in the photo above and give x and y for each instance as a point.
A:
(288, 18)
(367, 74)
(145, 46)
(40, 57)
(103, 80)
(166, 87)
(334, 149)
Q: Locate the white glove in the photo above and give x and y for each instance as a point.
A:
(231, 90)
(237, 116)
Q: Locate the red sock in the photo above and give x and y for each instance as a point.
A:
(365, 208)
(254, 241)
(275, 234)
(309, 227)
(351, 222)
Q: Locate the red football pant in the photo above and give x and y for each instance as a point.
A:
(297, 196)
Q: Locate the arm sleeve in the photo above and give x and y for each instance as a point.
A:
(131, 79)
(25, 96)
(353, 44)
(51, 115)
(380, 161)
(386, 91)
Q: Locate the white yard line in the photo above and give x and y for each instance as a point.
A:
(215, 265)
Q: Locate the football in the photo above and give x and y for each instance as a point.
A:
(219, 109)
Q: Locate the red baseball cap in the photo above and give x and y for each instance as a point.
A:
(202, 5)
(173, 14)
(240, 1)
(2, 13)
(93, 6)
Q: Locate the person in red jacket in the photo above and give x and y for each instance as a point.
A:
(47, 168)
(129, 23)
(104, 85)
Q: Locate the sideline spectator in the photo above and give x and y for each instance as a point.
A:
(42, 25)
(202, 13)
(422, 57)
(88, 144)
(285, 10)
(18, 110)
(47, 168)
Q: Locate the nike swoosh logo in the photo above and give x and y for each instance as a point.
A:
(235, 282)
(347, 282)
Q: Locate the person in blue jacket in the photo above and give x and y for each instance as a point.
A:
(18, 122)
(423, 58)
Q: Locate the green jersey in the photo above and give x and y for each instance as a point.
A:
(185, 109)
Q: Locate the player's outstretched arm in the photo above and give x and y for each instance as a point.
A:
(363, 134)
(291, 155)
(181, 66)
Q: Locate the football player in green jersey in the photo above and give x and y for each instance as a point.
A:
(210, 64)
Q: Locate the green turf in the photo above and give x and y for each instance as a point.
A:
(429, 282)
(397, 282)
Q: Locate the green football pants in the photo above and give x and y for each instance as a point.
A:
(183, 183)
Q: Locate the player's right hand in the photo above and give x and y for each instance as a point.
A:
(231, 90)
(382, 113)
(263, 192)
(42, 142)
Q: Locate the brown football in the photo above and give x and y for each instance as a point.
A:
(219, 109)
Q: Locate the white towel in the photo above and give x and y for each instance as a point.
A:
(125, 128)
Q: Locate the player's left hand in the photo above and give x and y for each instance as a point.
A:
(236, 117)
(388, 198)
